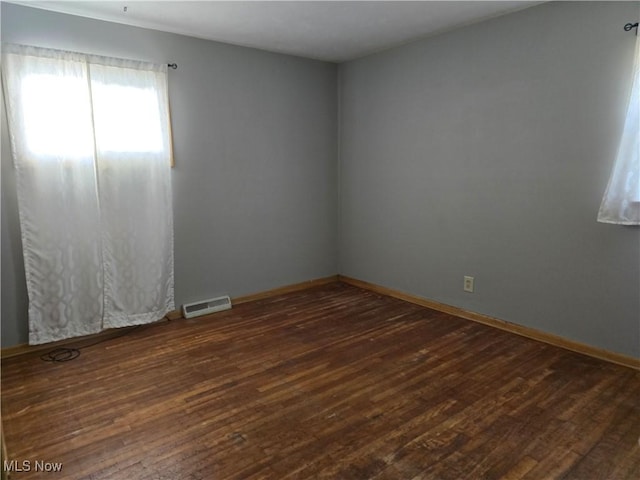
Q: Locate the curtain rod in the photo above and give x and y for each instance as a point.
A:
(175, 65)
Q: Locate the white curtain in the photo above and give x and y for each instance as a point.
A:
(91, 145)
(621, 202)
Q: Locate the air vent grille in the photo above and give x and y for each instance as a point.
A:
(204, 307)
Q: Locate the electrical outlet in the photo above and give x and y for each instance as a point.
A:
(468, 284)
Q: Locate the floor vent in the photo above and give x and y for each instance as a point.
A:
(195, 309)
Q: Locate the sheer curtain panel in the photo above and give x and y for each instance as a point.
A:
(91, 146)
(621, 202)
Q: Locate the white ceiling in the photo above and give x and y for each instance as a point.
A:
(326, 30)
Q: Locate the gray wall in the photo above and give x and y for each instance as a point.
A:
(485, 152)
(255, 142)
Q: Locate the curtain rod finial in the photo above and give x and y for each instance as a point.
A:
(173, 65)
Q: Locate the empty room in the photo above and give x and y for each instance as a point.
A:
(324, 239)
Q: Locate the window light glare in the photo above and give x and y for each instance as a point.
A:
(128, 119)
(57, 116)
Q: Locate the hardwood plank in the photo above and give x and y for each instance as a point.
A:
(528, 332)
(329, 382)
(24, 348)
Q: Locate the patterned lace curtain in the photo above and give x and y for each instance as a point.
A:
(621, 202)
(91, 146)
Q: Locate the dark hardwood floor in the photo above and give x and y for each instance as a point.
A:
(332, 382)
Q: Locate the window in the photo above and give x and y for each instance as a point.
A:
(55, 112)
(91, 145)
(621, 202)
(139, 130)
